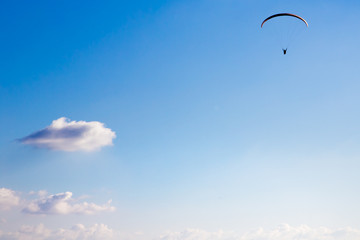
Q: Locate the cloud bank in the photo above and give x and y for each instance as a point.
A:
(103, 232)
(283, 232)
(64, 204)
(77, 232)
(70, 136)
(8, 199)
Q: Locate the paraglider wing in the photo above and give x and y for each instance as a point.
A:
(284, 14)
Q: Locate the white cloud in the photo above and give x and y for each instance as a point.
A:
(77, 232)
(283, 232)
(65, 135)
(8, 199)
(64, 204)
(304, 232)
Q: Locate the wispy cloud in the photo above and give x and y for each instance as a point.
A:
(66, 135)
(8, 199)
(199, 234)
(64, 204)
(41, 193)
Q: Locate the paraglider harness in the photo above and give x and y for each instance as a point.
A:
(284, 50)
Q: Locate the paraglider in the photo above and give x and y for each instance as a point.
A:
(286, 15)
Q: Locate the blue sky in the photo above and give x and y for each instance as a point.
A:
(215, 127)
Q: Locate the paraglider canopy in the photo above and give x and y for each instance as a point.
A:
(284, 14)
(285, 29)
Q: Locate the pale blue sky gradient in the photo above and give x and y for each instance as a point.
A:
(215, 128)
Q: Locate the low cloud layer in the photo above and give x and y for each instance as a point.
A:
(102, 232)
(77, 232)
(8, 199)
(283, 232)
(70, 136)
(64, 204)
